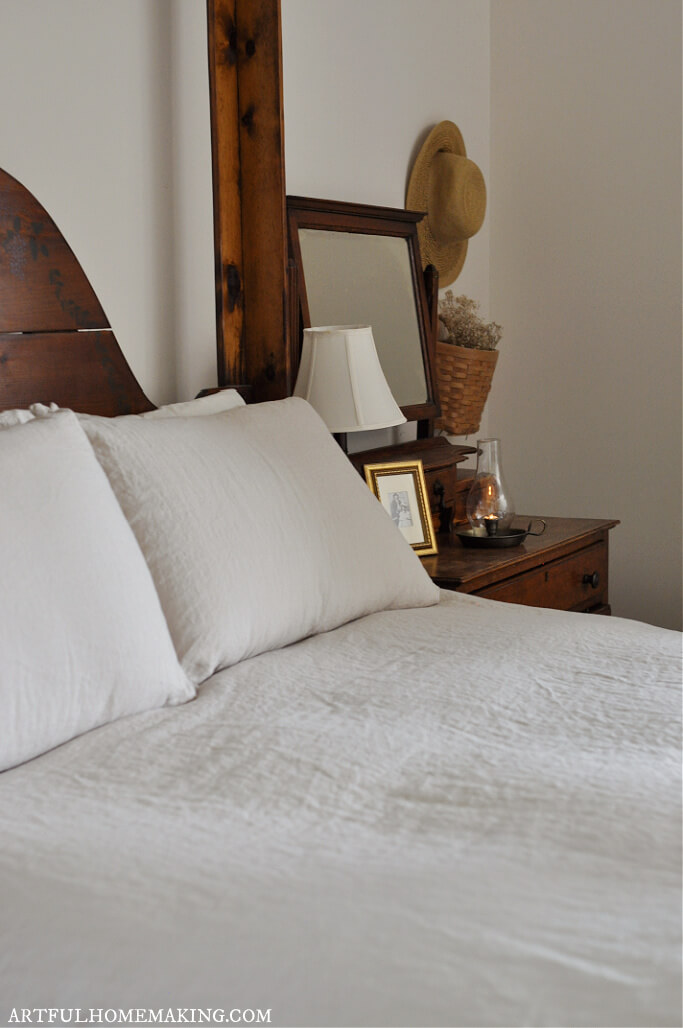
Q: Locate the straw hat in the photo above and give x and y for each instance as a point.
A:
(450, 188)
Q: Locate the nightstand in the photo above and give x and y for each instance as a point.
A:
(565, 568)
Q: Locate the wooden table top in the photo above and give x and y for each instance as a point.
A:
(458, 564)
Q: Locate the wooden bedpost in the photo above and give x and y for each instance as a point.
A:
(250, 240)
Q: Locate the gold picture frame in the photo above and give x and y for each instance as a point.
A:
(400, 488)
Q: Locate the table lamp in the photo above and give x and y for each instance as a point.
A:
(341, 377)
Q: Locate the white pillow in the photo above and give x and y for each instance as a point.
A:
(82, 635)
(256, 528)
(19, 416)
(9, 418)
(214, 403)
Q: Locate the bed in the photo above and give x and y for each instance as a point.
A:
(281, 778)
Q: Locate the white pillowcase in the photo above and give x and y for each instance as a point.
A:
(9, 418)
(214, 403)
(256, 528)
(83, 639)
(19, 416)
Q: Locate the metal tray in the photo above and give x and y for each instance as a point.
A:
(513, 537)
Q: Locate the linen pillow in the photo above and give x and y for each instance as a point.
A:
(256, 528)
(214, 403)
(10, 418)
(19, 416)
(83, 639)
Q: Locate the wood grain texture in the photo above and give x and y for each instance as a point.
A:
(42, 285)
(249, 195)
(544, 571)
(55, 341)
(264, 233)
(85, 371)
(227, 203)
(425, 428)
(561, 583)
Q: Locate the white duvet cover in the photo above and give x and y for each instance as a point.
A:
(462, 815)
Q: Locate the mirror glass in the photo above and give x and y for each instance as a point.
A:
(358, 279)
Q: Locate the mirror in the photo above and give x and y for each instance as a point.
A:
(358, 264)
(366, 280)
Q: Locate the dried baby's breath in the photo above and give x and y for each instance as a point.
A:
(463, 325)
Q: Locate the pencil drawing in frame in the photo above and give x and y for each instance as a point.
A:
(400, 488)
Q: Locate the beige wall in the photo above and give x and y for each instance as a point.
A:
(105, 118)
(85, 125)
(364, 81)
(194, 300)
(571, 108)
(586, 275)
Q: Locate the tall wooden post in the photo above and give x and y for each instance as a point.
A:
(250, 238)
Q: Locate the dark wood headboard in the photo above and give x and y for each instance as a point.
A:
(55, 341)
(250, 235)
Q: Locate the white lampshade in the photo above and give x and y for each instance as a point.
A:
(340, 375)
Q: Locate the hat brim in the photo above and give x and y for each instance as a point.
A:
(447, 258)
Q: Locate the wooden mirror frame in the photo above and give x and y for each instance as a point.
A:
(338, 216)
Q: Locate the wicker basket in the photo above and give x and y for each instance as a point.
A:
(464, 377)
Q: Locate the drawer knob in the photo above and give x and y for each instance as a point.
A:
(592, 580)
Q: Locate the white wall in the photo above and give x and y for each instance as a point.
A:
(105, 118)
(108, 124)
(194, 297)
(586, 276)
(364, 82)
(571, 108)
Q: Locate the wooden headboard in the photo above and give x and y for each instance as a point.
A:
(55, 341)
(249, 209)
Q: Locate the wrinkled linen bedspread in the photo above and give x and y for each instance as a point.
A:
(462, 815)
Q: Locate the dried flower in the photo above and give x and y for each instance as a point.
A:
(463, 325)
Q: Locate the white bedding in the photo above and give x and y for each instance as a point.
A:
(462, 815)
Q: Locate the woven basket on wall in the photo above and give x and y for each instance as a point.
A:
(464, 377)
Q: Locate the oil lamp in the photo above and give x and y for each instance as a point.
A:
(489, 506)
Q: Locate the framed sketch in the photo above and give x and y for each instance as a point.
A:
(400, 488)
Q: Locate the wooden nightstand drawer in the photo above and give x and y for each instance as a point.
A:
(575, 582)
(565, 568)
